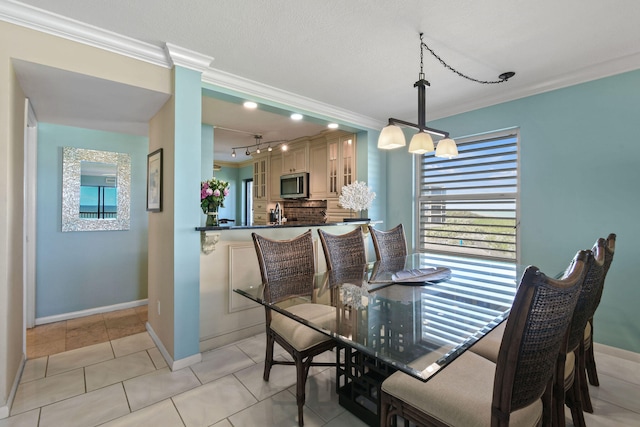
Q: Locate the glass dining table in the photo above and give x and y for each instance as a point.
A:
(415, 314)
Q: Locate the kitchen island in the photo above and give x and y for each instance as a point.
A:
(228, 260)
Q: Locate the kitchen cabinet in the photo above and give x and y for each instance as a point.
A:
(275, 166)
(318, 177)
(260, 194)
(341, 162)
(296, 159)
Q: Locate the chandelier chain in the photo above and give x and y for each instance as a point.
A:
(485, 82)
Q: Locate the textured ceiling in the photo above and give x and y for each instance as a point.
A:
(363, 55)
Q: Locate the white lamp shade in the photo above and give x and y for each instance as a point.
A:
(447, 148)
(391, 137)
(421, 143)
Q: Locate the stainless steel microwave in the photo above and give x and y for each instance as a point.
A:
(294, 186)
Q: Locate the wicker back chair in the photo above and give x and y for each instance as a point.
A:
(343, 250)
(288, 268)
(517, 389)
(590, 361)
(569, 386)
(389, 244)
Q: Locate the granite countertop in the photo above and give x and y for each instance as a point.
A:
(286, 224)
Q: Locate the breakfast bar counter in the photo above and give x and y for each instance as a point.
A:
(228, 259)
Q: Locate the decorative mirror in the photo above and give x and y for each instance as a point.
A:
(96, 189)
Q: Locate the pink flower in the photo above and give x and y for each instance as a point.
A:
(208, 191)
(216, 193)
(203, 194)
(226, 192)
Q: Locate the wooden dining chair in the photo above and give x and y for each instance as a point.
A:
(389, 244)
(343, 250)
(287, 268)
(589, 358)
(516, 390)
(570, 382)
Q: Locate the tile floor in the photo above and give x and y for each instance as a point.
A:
(125, 382)
(52, 338)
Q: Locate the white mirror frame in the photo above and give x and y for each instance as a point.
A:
(71, 159)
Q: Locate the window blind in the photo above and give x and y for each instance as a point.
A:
(468, 204)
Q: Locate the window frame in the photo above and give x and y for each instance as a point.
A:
(419, 199)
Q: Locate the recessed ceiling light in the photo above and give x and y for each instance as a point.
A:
(250, 104)
(332, 126)
(296, 116)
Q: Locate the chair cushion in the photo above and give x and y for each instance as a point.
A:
(461, 394)
(489, 345)
(302, 337)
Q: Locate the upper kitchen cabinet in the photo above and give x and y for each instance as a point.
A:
(318, 176)
(341, 162)
(296, 159)
(260, 177)
(275, 166)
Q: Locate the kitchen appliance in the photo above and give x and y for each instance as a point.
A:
(294, 186)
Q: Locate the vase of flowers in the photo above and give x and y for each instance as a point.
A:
(358, 197)
(212, 194)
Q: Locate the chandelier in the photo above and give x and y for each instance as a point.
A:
(392, 136)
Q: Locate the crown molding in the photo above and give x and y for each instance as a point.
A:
(70, 29)
(587, 74)
(250, 87)
(187, 58)
(168, 56)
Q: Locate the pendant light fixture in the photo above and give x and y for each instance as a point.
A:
(392, 136)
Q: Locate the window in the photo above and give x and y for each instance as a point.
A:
(468, 205)
(98, 202)
(248, 201)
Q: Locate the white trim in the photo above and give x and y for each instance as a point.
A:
(4, 410)
(616, 352)
(187, 58)
(174, 365)
(90, 311)
(250, 87)
(70, 29)
(29, 216)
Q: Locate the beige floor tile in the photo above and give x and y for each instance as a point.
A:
(254, 347)
(34, 369)
(85, 322)
(118, 370)
(618, 392)
(35, 394)
(195, 405)
(223, 423)
(157, 358)
(616, 367)
(321, 395)
(218, 363)
(26, 419)
(606, 415)
(90, 409)
(47, 333)
(162, 414)
(346, 419)
(132, 344)
(277, 411)
(78, 338)
(159, 385)
(35, 351)
(78, 358)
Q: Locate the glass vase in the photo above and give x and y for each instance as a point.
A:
(212, 217)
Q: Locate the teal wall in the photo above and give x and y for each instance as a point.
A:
(579, 156)
(233, 199)
(186, 242)
(83, 270)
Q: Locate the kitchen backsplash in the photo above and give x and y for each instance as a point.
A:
(311, 211)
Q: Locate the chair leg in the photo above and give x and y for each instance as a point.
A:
(302, 372)
(590, 361)
(268, 359)
(575, 403)
(587, 406)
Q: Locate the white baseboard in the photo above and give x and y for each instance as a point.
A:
(90, 311)
(174, 365)
(4, 410)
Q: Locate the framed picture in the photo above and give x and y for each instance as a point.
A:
(154, 181)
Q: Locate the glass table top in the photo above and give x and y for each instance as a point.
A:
(416, 313)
